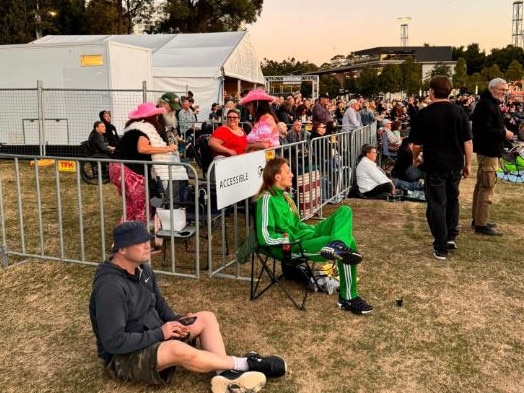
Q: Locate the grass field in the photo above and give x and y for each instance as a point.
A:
(459, 328)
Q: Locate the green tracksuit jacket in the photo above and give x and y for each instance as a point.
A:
(275, 216)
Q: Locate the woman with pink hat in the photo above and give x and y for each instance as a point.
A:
(136, 145)
(265, 129)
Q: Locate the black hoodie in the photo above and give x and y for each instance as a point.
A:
(127, 311)
(488, 128)
(111, 134)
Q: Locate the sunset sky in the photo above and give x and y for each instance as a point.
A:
(316, 30)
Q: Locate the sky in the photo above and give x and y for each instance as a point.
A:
(317, 30)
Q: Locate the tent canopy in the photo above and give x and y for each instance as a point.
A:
(203, 55)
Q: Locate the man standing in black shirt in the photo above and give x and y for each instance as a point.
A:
(442, 130)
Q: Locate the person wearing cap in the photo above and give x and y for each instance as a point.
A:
(136, 145)
(385, 131)
(170, 103)
(111, 133)
(351, 119)
(265, 130)
(141, 339)
(320, 112)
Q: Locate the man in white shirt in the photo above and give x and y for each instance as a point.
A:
(371, 180)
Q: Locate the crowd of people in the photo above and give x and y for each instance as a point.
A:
(140, 338)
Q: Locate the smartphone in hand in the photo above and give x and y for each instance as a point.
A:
(186, 321)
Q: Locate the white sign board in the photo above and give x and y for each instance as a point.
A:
(238, 177)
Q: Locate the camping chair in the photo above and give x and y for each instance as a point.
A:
(388, 158)
(512, 165)
(265, 265)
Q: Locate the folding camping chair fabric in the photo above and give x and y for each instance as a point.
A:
(512, 165)
(268, 266)
(264, 264)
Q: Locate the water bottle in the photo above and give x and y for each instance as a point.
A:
(286, 247)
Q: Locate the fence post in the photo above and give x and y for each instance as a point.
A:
(40, 103)
(144, 91)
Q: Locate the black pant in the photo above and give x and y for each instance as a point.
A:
(442, 213)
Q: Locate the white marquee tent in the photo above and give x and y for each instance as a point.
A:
(198, 62)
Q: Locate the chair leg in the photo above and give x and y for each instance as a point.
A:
(269, 268)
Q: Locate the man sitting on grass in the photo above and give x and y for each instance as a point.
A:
(141, 339)
(332, 238)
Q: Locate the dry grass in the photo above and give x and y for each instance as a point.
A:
(459, 329)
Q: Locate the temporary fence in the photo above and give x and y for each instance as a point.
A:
(48, 212)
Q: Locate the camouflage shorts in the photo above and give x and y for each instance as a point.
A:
(140, 366)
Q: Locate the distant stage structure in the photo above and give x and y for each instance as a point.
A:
(404, 38)
(516, 37)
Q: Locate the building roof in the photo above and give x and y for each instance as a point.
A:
(421, 53)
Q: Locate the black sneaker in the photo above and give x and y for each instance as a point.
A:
(452, 245)
(232, 381)
(270, 366)
(441, 256)
(487, 230)
(356, 305)
(338, 250)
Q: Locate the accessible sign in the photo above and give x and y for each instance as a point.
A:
(238, 177)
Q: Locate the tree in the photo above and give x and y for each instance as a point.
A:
(289, 66)
(460, 77)
(515, 71)
(475, 59)
(411, 76)
(17, 22)
(202, 16)
(118, 16)
(492, 72)
(368, 81)
(390, 78)
(66, 16)
(503, 57)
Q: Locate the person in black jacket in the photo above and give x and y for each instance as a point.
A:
(489, 135)
(98, 142)
(111, 134)
(141, 339)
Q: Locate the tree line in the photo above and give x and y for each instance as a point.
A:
(473, 70)
(24, 21)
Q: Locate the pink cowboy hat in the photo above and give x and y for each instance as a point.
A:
(145, 110)
(256, 95)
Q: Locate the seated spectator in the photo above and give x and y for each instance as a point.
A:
(141, 339)
(282, 133)
(393, 141)
(98, 142)
(406, 168)
(111, 134)
(295, 134)
(214, 115)
(332, 238)
(230, 139)
(171, 105)
(372, 181)
(285, 112)
(396, 128)
(318, 130)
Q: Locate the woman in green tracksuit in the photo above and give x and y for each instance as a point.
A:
(276, 214)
